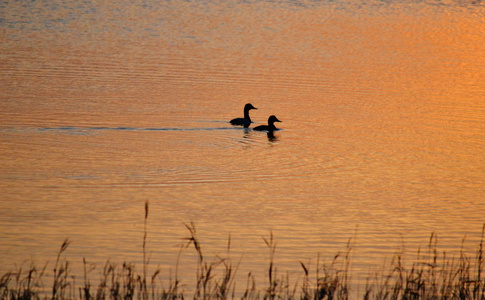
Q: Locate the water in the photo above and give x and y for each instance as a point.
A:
(107, 105)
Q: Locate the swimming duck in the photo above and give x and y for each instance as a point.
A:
(246, 121)
(270, 127)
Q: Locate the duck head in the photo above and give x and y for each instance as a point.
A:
(248, 107)
(273, 119)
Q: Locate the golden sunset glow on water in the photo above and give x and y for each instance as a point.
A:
(106, 106)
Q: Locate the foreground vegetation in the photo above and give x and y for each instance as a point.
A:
(432, 276)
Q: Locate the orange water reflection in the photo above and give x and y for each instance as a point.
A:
(382, 116)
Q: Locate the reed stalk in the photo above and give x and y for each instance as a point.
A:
(145, 261)
(61, 271)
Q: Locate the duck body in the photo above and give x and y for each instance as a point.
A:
(270, 127)
(241, 122)
(246, 121)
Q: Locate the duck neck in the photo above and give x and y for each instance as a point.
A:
(246, 114)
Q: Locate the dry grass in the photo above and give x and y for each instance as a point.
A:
(432, 276)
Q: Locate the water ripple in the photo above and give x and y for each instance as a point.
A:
(121, 128)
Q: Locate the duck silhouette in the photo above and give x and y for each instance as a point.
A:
(270, 127)
(246, 121)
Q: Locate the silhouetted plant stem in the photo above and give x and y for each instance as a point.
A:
(86, 294)
(479, 291)
(60, 273)
(145, 262)
(271, 290)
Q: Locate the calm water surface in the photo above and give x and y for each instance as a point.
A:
(107, 105)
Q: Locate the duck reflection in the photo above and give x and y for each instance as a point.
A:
(249, 137)
(247, 132)
(246, 138)
(271, 137)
